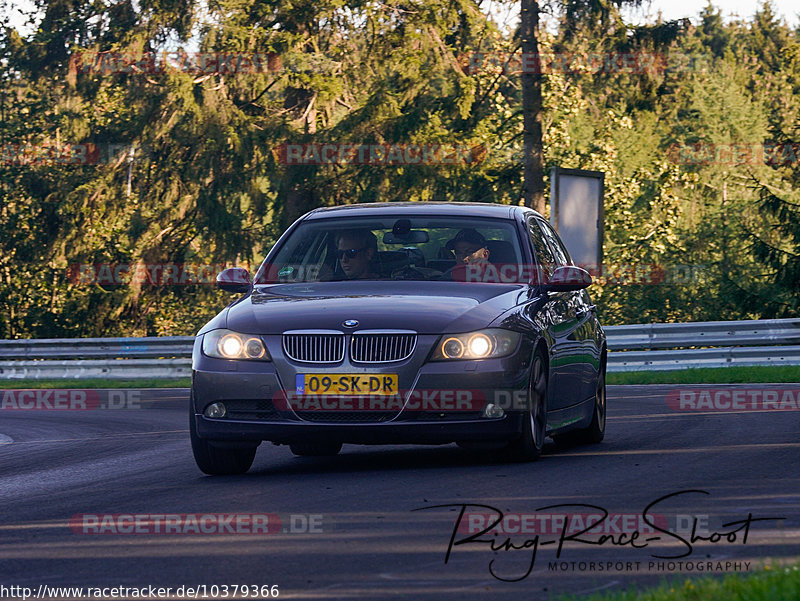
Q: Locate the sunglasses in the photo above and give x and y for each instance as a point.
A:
(466, 252)
(350, 253)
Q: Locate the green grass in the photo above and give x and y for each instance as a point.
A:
(98, 383)
(771, 583)
(719, 375)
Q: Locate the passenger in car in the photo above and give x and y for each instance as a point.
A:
(469, 247)
(470, 251)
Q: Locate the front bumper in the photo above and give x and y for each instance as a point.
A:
(505, 428)
(254, 391)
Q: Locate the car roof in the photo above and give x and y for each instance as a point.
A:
(460, 209)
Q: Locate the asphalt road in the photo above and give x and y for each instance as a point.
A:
(347, 526)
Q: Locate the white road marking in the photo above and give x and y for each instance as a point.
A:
(102, 437)
(599, 588)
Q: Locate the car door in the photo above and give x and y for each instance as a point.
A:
(580, 345)
(555, 318)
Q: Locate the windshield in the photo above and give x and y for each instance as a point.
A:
(391, 248)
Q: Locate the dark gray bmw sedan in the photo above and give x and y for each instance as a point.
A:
(397, 323)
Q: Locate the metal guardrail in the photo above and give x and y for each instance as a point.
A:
(112, 369)
(653, 336)
(704, 357)
(99, 348)
(640, 347)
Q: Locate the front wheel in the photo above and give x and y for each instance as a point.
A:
(529, 445)
(218, 461)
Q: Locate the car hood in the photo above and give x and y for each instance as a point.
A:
(425, 307)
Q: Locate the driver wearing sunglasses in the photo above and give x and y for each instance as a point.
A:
(355, 250)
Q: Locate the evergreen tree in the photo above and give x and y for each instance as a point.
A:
(712, 32)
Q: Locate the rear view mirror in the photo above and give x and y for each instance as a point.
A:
(234, 279)
(568, 278)
(410, 237)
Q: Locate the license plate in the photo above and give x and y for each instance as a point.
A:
(355, 384)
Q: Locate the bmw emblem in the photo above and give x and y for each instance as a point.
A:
(350, 323)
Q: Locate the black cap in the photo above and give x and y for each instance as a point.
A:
(467, 235)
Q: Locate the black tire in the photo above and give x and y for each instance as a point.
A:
(316, 449)
(529, 445)
(217, 461)
(596, 430)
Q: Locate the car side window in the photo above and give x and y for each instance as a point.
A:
(541, 249)
(559, 251)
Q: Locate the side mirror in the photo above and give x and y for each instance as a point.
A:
(234, 279)
(568, 278)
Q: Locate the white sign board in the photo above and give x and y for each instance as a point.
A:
(576, 212)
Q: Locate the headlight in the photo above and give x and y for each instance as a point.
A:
(484, 344)
(225, 344)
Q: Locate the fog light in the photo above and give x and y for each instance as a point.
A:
(492, 410)
(215, 410)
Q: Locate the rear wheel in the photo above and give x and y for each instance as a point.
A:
(316, 449)
(596, 430)
(218, 461)
(528, 447)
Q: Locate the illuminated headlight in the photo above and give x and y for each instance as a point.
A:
(480, 345)
(485, 344)
(225, 344)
